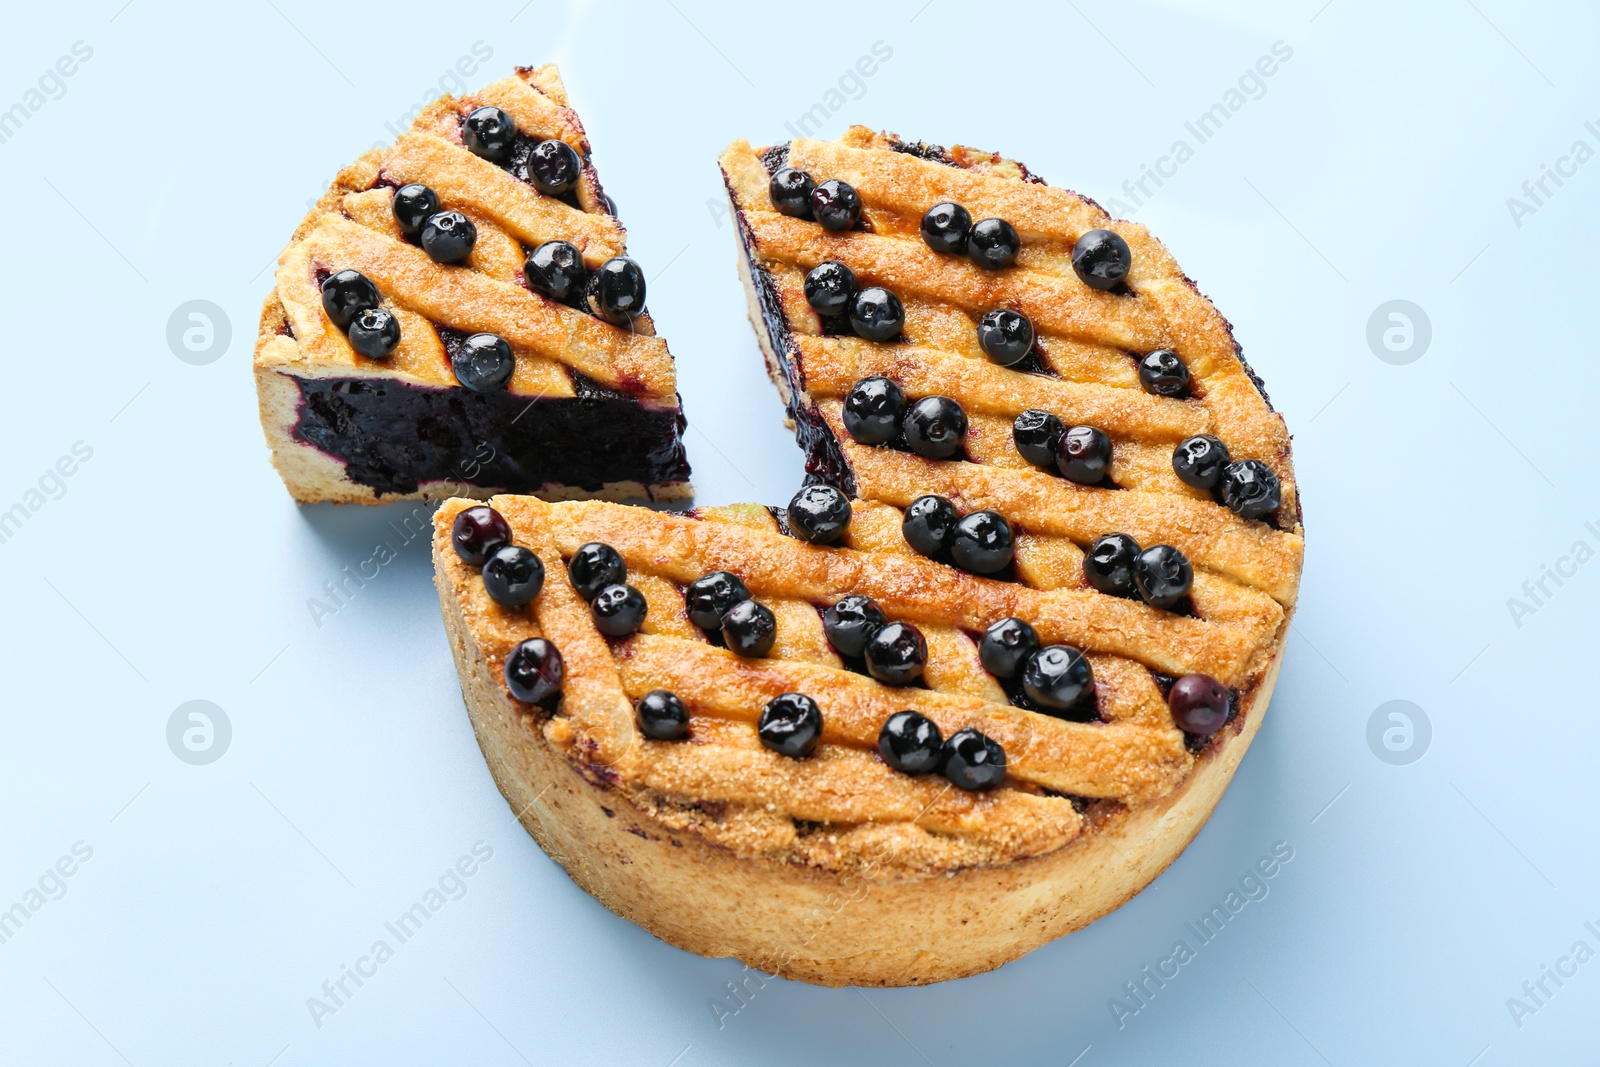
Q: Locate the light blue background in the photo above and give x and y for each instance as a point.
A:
(1376, 166)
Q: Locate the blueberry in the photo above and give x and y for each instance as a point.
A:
(929, 524)
(513, 576)
(346, 294)
(555, 269)
(910, 743)
(483, 363)
(1163, 576)
(896, 654)
(1006, 645)
(554, 167)
(1101, 259)
(448, 237)
(662, 715)
(819, 514)
(709, 598)
(993, 244)
(1164, 374)
(1108, 565)
(1037, 434)
(830, 288)
(1005, 336)
(749, 629)
(973, 760)
(1199, 704)
(850, 623)
(836, 205)
(374, 333)
(489, 133)
(1250, 489)
(478, 533)
(534, 671)
(593, 567)
(790, 725)
(412, 205)
(877, 314)
(1083, 455)
(1198, 461)
(872, 411)
(615, 291)
(982, 542)
(936, 427)
(790, 190)
(1057, 677)
(618, 610)
(945, 227)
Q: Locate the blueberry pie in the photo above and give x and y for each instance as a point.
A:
(458, 316)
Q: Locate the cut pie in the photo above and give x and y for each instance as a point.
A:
(457, 316)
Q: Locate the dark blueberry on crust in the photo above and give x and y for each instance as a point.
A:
(850, 623)
(513, 576)
(534, 671)
(993, 244)
(483, 363)
(896, 654)
(982, 542)
(478, 533)
(1083, 455)
(711, 597)
(618, 610)
(1056, 677)
(662, 715)
(1006, 646)
(791, 725)
(836, 205)
(1005, 336)
(929, 524)
(448, 237)
(1249, 488)
(749, 629)
(1198, 461)
(877, 314)
(1037, 434)
(374, 333)
(1101, 259)
(819, 514)
(1199, 704)
(554, 167)
(555, 269)
(594, 566)
(935, 427)
(412, 205)
(910, 743)
(972, 760)
(1108, 565)
(615, 291)
(873, 410)
(346, 295)
(830, 287)
(1164, 374)
(945, 227)
(489, 134)
(790, 190)
(1163, 576)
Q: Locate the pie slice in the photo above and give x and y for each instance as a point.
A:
(458, 316)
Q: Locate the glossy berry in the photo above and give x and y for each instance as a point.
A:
(483, 363)
(1199, 704)
(346, 295)
(873, 410)
(910, 743)
(896, 654)
(615, 291)
(790, 725)
(1056, 678)
(1108, 565)
(1249, 488)
(448, 237)
(555, 269)
(1164, 374)
(1037, 433)
(850, 622)
(1083, 455)
(1006, 645)
(945, 227)
(1198, 461)
(489, 134)
(412, 205)
(877, 314)
(830, 287)
(790, 189)
(819, 514)
(1005, 336)
(993, 243)
(709, 598)
(534, 671)
(478, 533)
(554, 167)
(513, 576)
(1162, 576)
(1101, 259)
(973, 760)
(374, 333)
(593, 567)
(982, 542)
(929, 524)
(662, 715)
(749, 629)
(836, 205)
(618, 610)
(936, 427)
